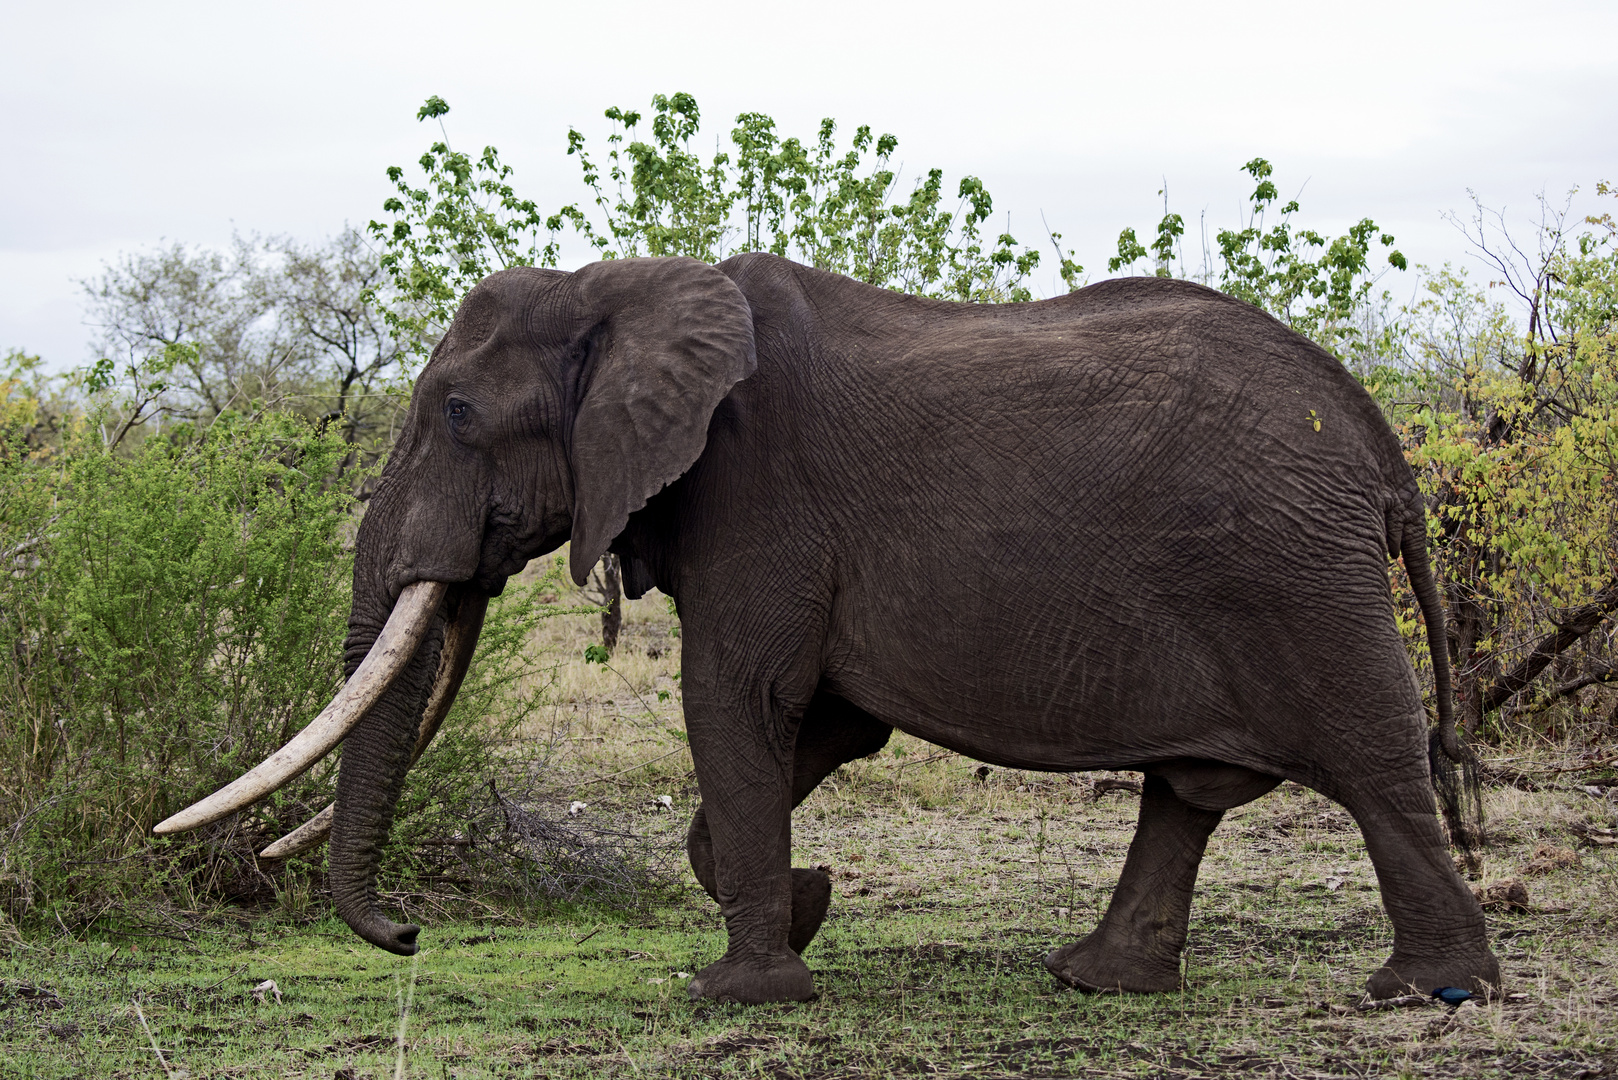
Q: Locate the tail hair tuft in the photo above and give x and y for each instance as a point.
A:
(1459, 787)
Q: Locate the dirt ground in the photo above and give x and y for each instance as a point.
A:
(952, 882)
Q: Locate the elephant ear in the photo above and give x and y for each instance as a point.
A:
(672, 336)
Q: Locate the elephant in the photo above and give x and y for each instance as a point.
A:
(1142, 526)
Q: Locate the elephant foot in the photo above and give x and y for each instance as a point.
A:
(811, 896)
(1091, 965)
(1422, 975)
(755, 981)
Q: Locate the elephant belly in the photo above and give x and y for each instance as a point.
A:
(1211, 785)
(1066, 682)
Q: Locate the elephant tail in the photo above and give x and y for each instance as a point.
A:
(1453, 765)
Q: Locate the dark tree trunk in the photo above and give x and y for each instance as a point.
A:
(612, 598)
(1475, 615)
(1572, 627)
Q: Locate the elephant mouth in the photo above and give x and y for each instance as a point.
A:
(509, 544)
(460, 641)
(407, 625)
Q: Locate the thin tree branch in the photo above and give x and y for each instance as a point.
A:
(1572, 628)
(1606, 674)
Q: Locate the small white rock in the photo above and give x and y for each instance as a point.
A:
(682, 974)
(575, 808)
(665, 802)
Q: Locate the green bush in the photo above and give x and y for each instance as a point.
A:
(175, 614)
(178, 614)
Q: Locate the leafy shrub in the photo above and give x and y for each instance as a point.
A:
(174, 615)
(838, 209)
(1513, 429)
(1316, 284)
(180, 615)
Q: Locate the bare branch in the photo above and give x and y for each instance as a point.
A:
(1572, 628)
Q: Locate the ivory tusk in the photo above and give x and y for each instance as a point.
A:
(394, 646)
(460, 641)
(311, 834)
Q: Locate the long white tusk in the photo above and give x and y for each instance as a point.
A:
(311, 834)
(394, 647)
(460, 641)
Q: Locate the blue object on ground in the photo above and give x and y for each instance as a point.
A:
(1452, 995)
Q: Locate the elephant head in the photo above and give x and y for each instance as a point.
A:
(554, 407)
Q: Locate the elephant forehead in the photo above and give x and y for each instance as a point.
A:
(516, 304)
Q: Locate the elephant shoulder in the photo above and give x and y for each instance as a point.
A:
(788, 293)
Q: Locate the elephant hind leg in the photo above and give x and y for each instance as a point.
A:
(1137, 946)
(1439, 935)
(832, 733)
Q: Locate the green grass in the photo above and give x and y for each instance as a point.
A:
(929, 965)
(949, 889)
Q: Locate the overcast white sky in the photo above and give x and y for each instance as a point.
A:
(129, 124)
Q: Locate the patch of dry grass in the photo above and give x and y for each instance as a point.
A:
(618, 719)
(951, 884)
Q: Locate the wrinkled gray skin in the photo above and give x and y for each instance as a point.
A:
(1094, 532)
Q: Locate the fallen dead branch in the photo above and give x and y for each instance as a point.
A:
(1105, 785)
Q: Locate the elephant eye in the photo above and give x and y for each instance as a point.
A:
(456, 409)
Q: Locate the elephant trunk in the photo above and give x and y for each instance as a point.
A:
(376, 756)
(460, 642)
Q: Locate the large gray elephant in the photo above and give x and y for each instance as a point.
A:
(1143, 526)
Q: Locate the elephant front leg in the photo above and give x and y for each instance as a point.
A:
(833, 733)
(811, 889)
(1137, 946)
(746, 806)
